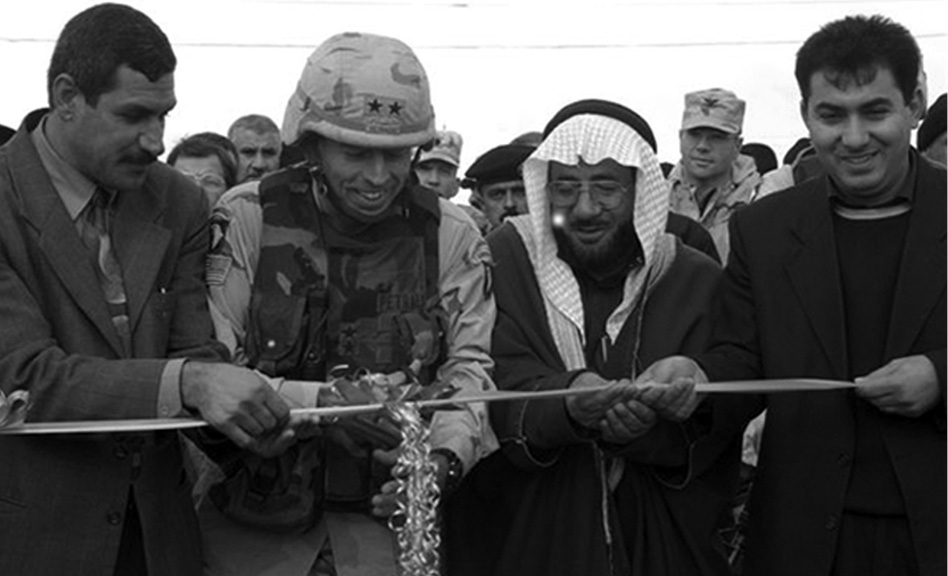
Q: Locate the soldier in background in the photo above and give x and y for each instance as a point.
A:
(436, 166)
(713, 179)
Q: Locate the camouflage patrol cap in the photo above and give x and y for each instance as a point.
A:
(713, 108)
(364, 90)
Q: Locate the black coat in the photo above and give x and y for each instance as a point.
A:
(783, 317)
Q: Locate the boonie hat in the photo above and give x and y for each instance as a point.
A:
(713, 108)
(446, 148)
(364, 90)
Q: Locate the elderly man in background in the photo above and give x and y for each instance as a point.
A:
(257, 140)
(713, 179)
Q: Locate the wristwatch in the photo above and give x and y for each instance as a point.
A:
(455, 470)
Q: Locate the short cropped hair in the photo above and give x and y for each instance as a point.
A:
(255, 123)
(97, 41)
(206, 144)
(854, 48)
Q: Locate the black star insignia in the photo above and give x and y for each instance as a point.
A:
(375, 106)
(395, 109)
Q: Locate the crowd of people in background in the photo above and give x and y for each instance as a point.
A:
(273, 267)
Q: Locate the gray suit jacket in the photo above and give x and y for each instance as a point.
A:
(63, 498)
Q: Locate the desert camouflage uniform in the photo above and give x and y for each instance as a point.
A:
(730, 196)
(463, 296)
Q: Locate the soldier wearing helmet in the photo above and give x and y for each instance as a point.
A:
(346, 262)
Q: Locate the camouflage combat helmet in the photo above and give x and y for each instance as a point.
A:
(364, 90)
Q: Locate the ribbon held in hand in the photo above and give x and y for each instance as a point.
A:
(13, 408)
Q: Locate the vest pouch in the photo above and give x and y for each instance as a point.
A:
(351, 477)
(421, 336)
(282, 336)
(280, 494)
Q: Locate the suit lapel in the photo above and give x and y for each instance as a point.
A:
(814, 275)
(922, 272)
(58, 238)
(140, 244)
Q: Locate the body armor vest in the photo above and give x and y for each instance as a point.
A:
(322, 298)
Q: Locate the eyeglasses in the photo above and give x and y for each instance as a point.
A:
(208, 181)
(609, 194)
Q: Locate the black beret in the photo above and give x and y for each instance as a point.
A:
(604, 108)
(796, 150)
(933, 126)
(763, 156)
(499, 164)
(6, 133)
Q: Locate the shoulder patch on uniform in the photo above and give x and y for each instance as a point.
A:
(216, 267)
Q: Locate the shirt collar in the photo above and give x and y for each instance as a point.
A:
(73, 188)
(903, 197)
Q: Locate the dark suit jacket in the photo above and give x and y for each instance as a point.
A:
(63, 498)
(783, 317)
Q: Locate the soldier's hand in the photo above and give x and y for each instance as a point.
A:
(904, 387)
(233, 400)
(385, 503)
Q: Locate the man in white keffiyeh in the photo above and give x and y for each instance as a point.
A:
(589, 288)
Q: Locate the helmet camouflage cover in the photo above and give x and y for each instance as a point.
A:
(364, 90)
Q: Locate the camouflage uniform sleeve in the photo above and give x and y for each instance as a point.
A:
(236, 223)
(467, 298)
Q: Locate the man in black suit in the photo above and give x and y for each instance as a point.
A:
(844, 278)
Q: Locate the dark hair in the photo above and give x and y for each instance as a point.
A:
(257, 123)
(97, 41)
(854, 48)
(206, 144)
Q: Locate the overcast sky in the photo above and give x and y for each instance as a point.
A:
(497, 68)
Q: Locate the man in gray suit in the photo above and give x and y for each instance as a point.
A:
(101, 279)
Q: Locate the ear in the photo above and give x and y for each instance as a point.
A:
(917, 106)
(475, 200)
(309, 148)
(66, 97)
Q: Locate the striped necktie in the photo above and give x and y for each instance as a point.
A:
(95, 230)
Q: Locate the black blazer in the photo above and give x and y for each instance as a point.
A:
(782, 317)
